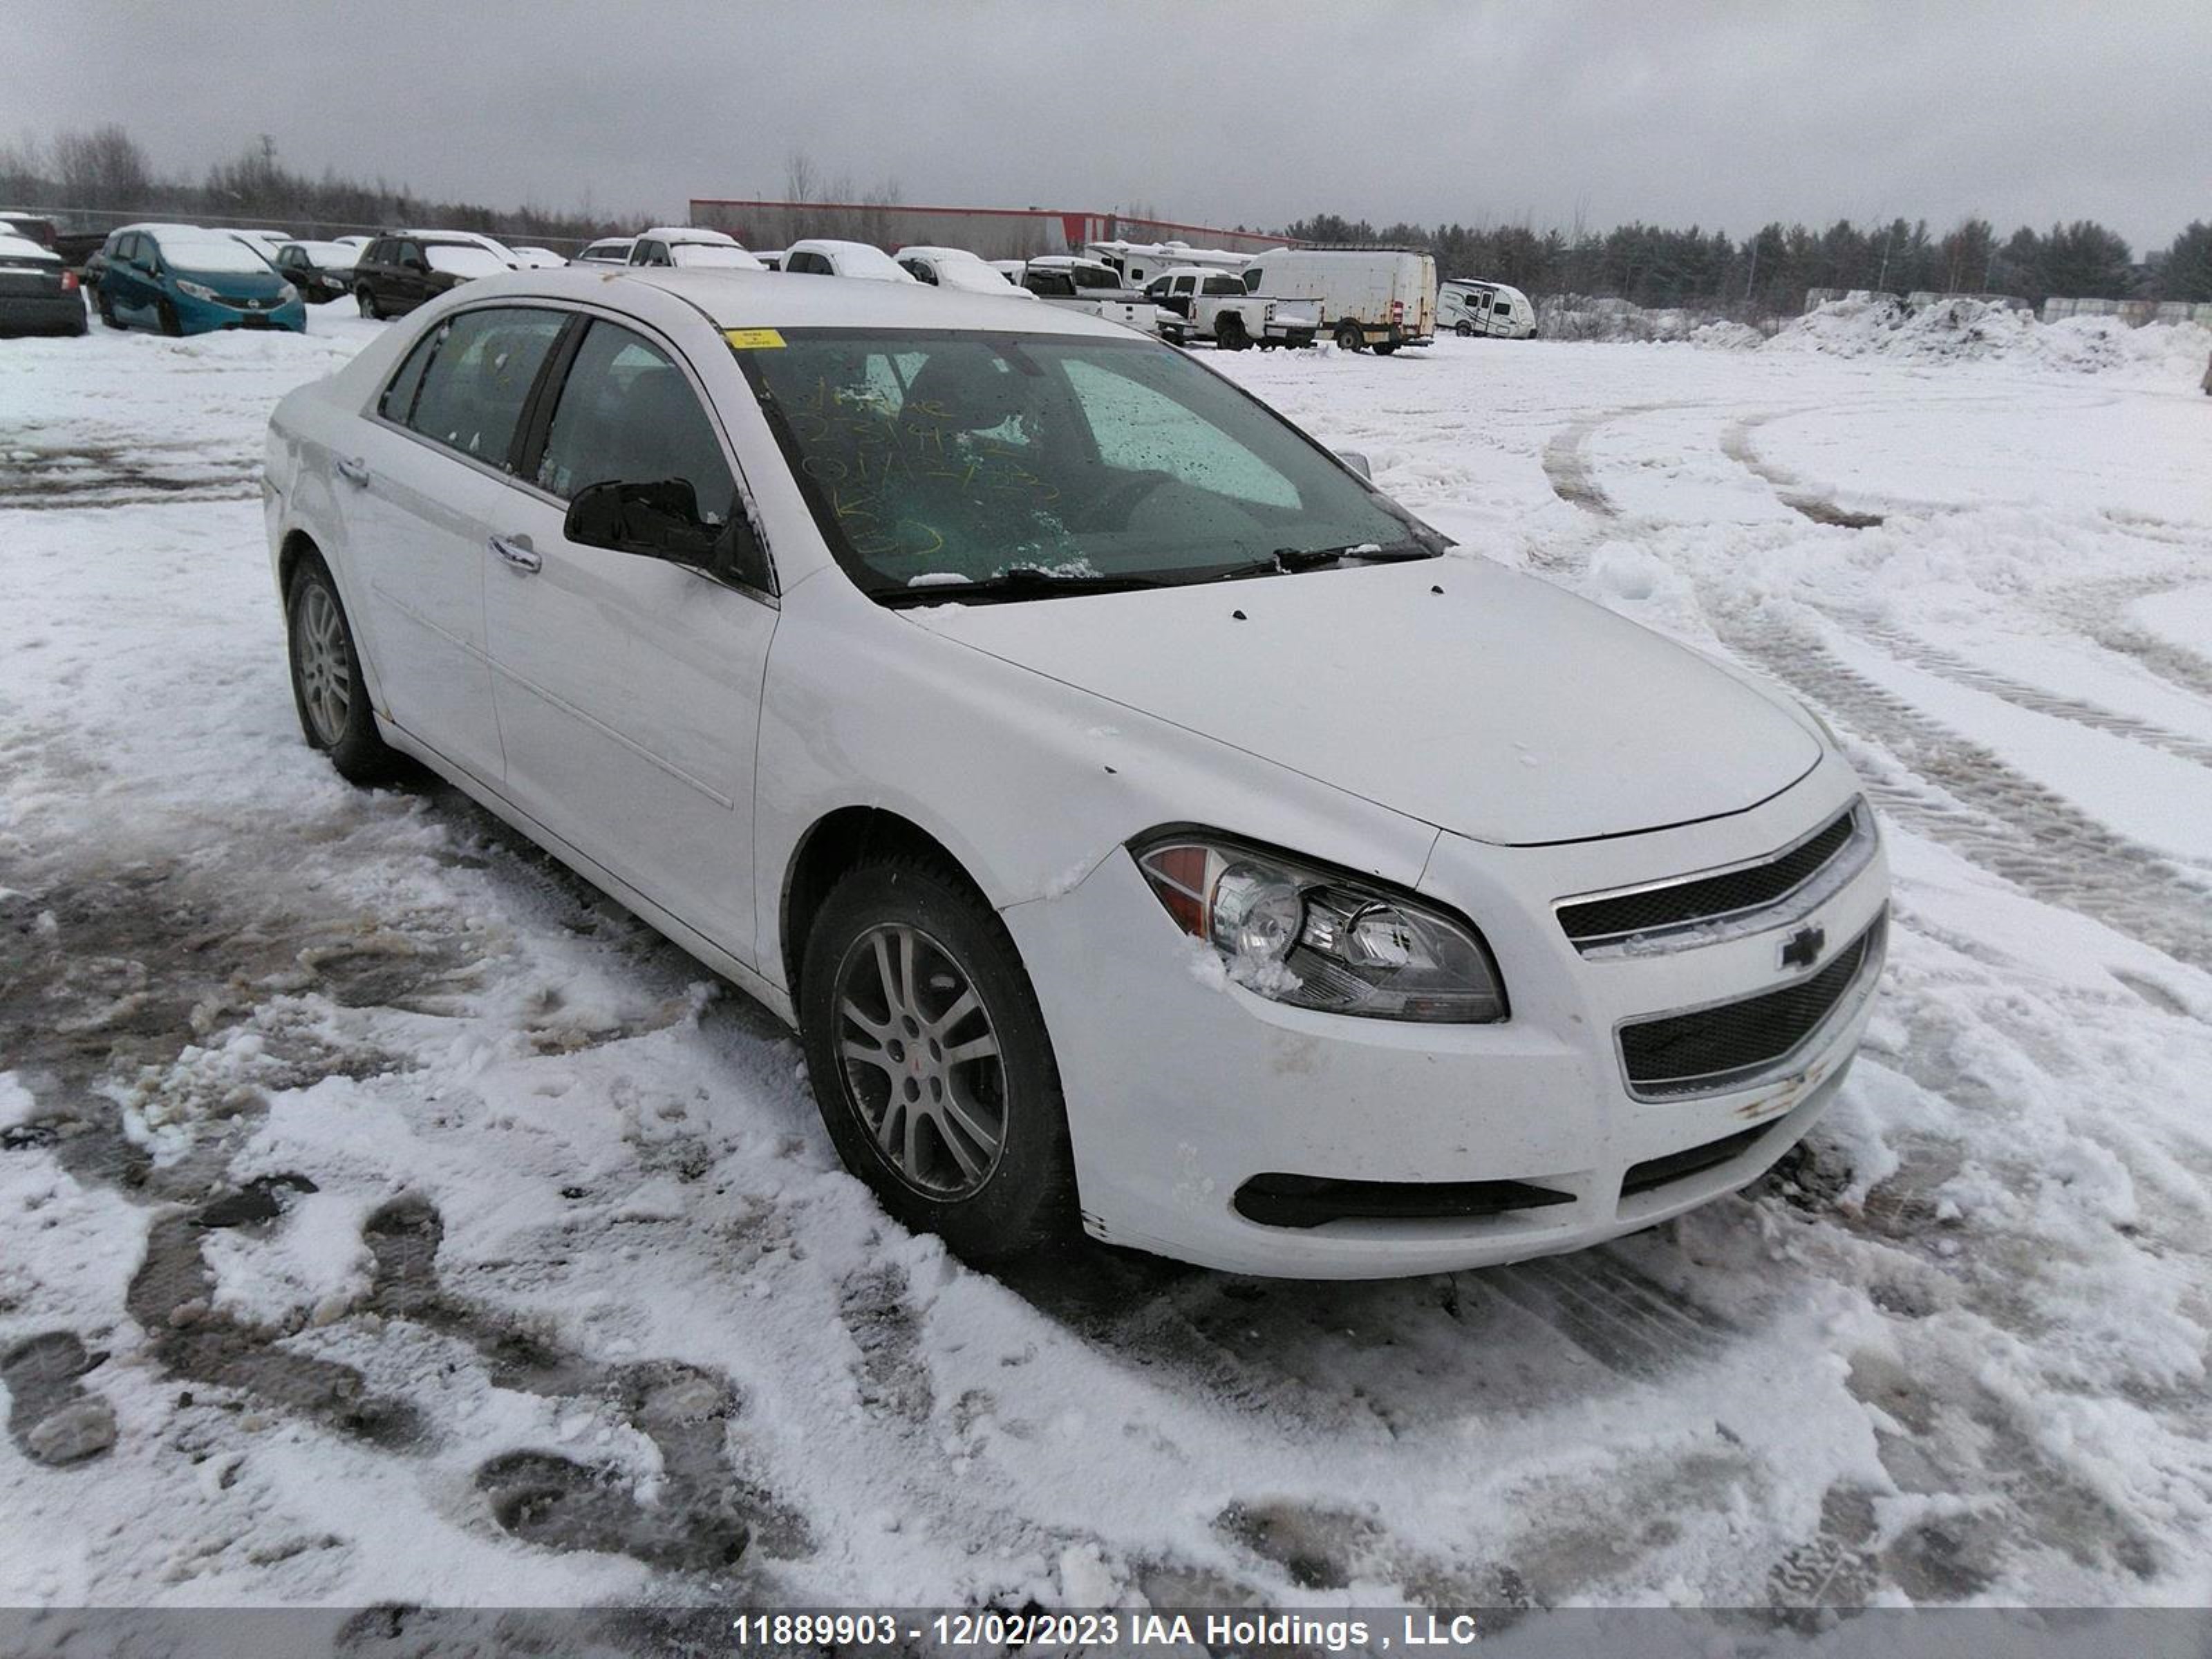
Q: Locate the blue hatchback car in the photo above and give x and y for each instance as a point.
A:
(186, 279)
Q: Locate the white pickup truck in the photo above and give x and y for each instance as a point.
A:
(1061, 279)
(1199, 304)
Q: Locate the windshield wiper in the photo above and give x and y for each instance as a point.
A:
(1313, 558)
(1021, 582)
(1287, 560)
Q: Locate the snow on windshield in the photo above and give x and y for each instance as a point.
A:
(463, 260)
(211, 254)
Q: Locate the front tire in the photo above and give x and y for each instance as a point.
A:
(171, 325)
(327, 688)
(1350, 336)
(931, 1064)
(366, 302)
(105, 307)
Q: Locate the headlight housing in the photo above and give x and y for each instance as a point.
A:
(287, 294)
(197, 290)
(1300, 933)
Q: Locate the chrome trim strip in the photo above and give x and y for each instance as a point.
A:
(1814, 889)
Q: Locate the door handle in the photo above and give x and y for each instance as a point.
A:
(518, 556)
(354, 470)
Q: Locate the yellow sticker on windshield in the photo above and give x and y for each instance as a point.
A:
(753, 339)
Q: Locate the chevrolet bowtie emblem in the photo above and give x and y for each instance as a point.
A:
(1802, 948)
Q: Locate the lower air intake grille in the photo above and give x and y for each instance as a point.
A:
(1712, 1049)
(1289, 1201)
(1696, 1160)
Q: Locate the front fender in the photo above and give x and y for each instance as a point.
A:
(1028, 783)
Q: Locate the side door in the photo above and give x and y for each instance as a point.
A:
(117, 279)
(410, 275)
(629, 688)
(435, 463)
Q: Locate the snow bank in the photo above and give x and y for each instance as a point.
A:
(1980, 331)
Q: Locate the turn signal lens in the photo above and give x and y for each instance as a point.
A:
(1314, 937)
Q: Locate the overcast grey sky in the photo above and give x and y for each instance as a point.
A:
(1257, 111)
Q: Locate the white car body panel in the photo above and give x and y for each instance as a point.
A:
(1512, 751)
(677, 741)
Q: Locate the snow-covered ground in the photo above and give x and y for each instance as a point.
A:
(383, 1216)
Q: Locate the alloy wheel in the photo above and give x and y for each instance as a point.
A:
(922, 1070)
(326, 665)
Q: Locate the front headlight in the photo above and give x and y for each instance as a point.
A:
(1314, 937)
(197, 290)
(287, 294)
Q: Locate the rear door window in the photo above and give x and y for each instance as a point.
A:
(480, 371)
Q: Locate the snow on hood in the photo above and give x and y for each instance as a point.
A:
(1502, 708)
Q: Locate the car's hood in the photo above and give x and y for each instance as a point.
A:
(1476, 699)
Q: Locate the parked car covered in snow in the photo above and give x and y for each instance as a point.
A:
(1467, 307)
(821, 255)
(397, 273)
(1371, 297)
(957, 268)
(38, 294)
(35, 228)
(1146, 829)
(186, 279)
(266, 243)
(1198, 303)
(321, 271)
(702, 250)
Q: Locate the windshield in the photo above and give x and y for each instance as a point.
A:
(214, 254)
(934, 458)
(713, 256)
(462, 258)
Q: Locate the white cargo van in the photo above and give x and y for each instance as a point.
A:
(1375, 297)
(1466, 307)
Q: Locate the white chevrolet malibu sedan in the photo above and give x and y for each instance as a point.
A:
(1145, 826)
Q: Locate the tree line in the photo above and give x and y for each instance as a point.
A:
(104, 171)
(1768, 273)
(106, 174)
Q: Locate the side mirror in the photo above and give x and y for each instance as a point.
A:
(1358, 463)
(660, 520)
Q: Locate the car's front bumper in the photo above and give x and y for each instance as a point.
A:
(206, 316)
(1182, 1090)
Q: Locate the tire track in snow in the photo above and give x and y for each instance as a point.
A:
(1982, 808)
(2021, 694)
(1818, 504)
(1567, 456)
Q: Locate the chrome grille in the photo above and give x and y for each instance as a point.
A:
(1730, 1044)
(1748, 892)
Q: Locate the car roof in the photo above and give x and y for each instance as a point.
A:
(1196, 270)
(766, 299)
(688, 234)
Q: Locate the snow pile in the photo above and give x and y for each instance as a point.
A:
(1578, 317)
(1980, 331)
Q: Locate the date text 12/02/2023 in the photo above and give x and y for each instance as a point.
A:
(996, 1631)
